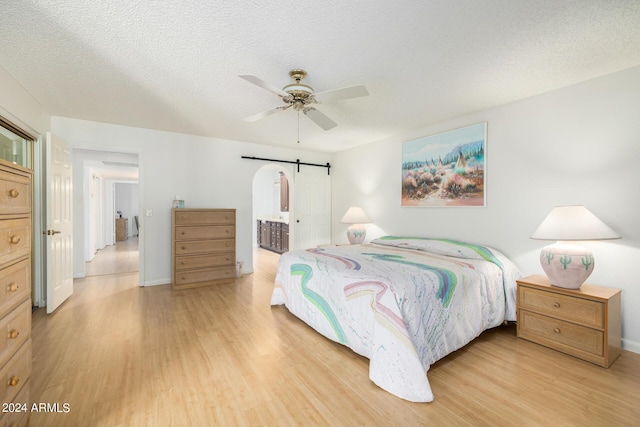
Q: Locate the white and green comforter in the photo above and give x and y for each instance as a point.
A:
(403, 303)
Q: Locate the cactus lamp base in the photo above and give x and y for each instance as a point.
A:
(567, 265)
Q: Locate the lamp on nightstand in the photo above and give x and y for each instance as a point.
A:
(566, 264)
(356, 217)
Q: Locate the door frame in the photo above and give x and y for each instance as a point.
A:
(38, 218)
(111, 149)
(288, 172)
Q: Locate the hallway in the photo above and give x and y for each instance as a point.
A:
(115, 259)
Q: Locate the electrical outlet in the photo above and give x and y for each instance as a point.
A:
(149, 212)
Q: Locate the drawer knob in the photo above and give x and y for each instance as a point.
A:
(556, 330)
(13, 381)
(13, 334)
(183, 248)
(15, 240)
(12, 287)
(14, 193)
(556, 304)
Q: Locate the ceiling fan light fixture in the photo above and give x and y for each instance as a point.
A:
(299, 97)
(299, 90)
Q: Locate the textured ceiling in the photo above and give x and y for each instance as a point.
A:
(174, 65)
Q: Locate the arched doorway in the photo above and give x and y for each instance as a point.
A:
(272, 196)
(272, 206)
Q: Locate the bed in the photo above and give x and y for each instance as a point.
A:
(402, 302)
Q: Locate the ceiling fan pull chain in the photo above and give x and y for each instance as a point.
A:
(298, 126)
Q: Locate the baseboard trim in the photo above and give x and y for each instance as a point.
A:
(157, 282)
(629, 345)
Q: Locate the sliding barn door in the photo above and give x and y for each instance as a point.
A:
(312, 207)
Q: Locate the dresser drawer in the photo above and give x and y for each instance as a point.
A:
(15, 193)
(15, 239)
(205, 246)
(205, 232)
(211, 274)
(15, 329)
(15, 284)
(15, 373)
(559, 334)
(191, 217)
(204, 261)
(18, 414)
(583, 311)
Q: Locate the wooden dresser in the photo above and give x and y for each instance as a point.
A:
(122, 229)
(203, 247)
(585, 322)
(15, 292)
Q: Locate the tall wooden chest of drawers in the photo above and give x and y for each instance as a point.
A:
(585, 322)
(15, 289)
(203, 247)
(122, 229)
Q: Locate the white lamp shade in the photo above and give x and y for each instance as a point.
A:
(355, 215)
(568, 265)
(573, 223)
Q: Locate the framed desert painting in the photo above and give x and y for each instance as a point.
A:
(447, 169)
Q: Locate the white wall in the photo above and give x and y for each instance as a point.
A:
(577, 145)
(205, 172)
(20, 107)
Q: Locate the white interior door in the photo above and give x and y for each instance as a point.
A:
(59, 233)
(312, 207)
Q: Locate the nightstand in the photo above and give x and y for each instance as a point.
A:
(585, 322)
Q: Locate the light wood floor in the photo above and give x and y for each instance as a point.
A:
(121, 355)
(119, 258)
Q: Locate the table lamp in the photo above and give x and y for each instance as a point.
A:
(566, 264)
(356, 217)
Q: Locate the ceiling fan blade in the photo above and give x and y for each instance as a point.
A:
(340, 94)
(319, 118)
(264, 85)
(259, 116)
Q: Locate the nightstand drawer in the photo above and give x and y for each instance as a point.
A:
(559, 334)
(583, 311)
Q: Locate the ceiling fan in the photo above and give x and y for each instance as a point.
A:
(301, 96)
